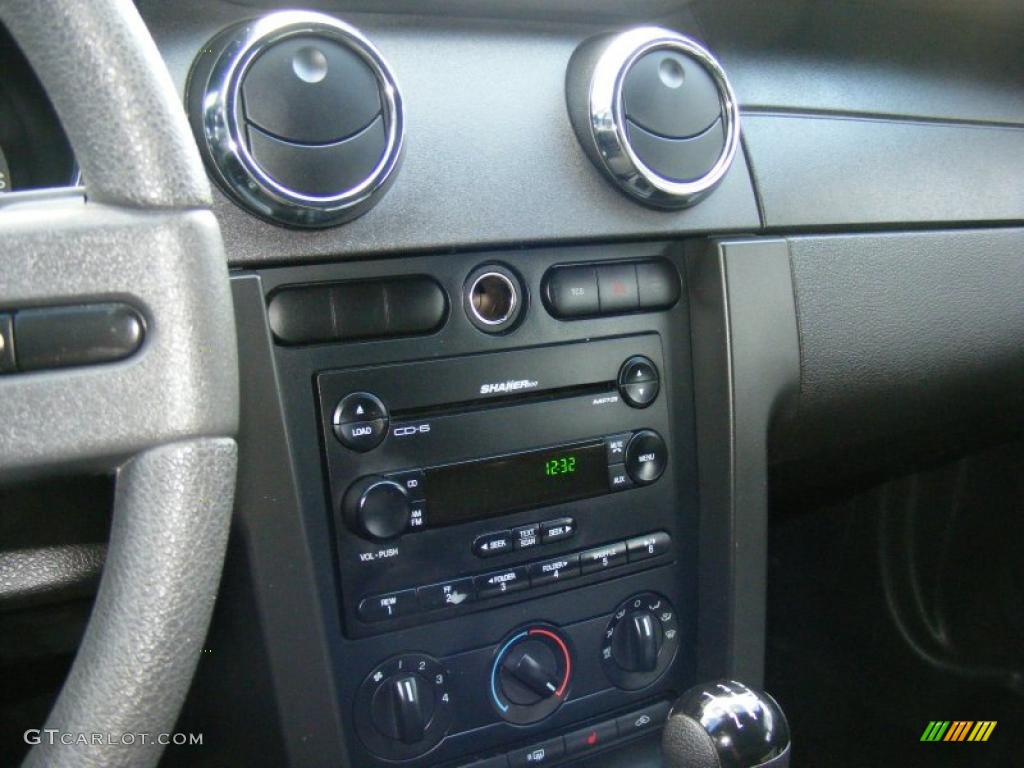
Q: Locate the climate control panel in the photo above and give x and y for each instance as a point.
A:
(531, 678)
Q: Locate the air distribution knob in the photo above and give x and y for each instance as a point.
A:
(640, 641)
(402, 707)
(377, 507)
(637, 641)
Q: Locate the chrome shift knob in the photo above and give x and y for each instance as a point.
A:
(726, 724)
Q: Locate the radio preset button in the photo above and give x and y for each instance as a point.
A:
(502, 582)
(526, 536)
(447, 595)
(618, 478)
(646, 457)
(491, 544)
(616, 447)
(600, 558)
(556, 569)
(644, 547)
(557, 530)
(389, 606)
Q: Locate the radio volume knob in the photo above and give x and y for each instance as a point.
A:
(377, 507)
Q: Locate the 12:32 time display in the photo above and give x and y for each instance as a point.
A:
(560, 465)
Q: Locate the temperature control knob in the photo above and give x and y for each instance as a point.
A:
(530, 675)
(377, 507)
(640, 641)
(404, 707)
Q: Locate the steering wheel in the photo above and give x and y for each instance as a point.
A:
(163, 419)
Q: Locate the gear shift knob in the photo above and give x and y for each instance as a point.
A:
(725, 724)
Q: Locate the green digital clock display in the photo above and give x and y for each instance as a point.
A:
(560, 465)
(475, 490)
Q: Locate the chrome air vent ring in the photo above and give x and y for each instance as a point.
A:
(671, 168)
(292, 156)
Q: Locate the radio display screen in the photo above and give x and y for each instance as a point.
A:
(476, 490)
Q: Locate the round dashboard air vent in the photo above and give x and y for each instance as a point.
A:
(654, 110)
(299, 117)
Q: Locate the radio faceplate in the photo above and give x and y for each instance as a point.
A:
(449, 417)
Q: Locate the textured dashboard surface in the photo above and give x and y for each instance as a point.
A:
(904, 334)
(834, 171)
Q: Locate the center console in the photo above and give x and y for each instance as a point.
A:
(498, 493)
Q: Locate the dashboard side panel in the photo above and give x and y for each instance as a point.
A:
(816, 171)
(904, 336)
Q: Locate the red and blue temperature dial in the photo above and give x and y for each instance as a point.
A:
(531, 674)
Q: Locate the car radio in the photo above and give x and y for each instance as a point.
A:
(460, 484)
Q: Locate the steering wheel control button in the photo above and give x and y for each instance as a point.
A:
(572, 291)
(616, 288)
(557, 530)
(640, 641)
(530, 675)
(639, 382)
(603, 558)
(492, 544)
(87, 334)
(557, 569)
(389, 606)
(299, 117)
(450, 594)
(589, 739)
(646, 547)
(654, 111)
(544, 753)
(502, 582)
(360, 421)
(404, 707)
(646, 457)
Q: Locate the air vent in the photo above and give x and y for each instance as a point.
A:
(299, 118)
(654, 110)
